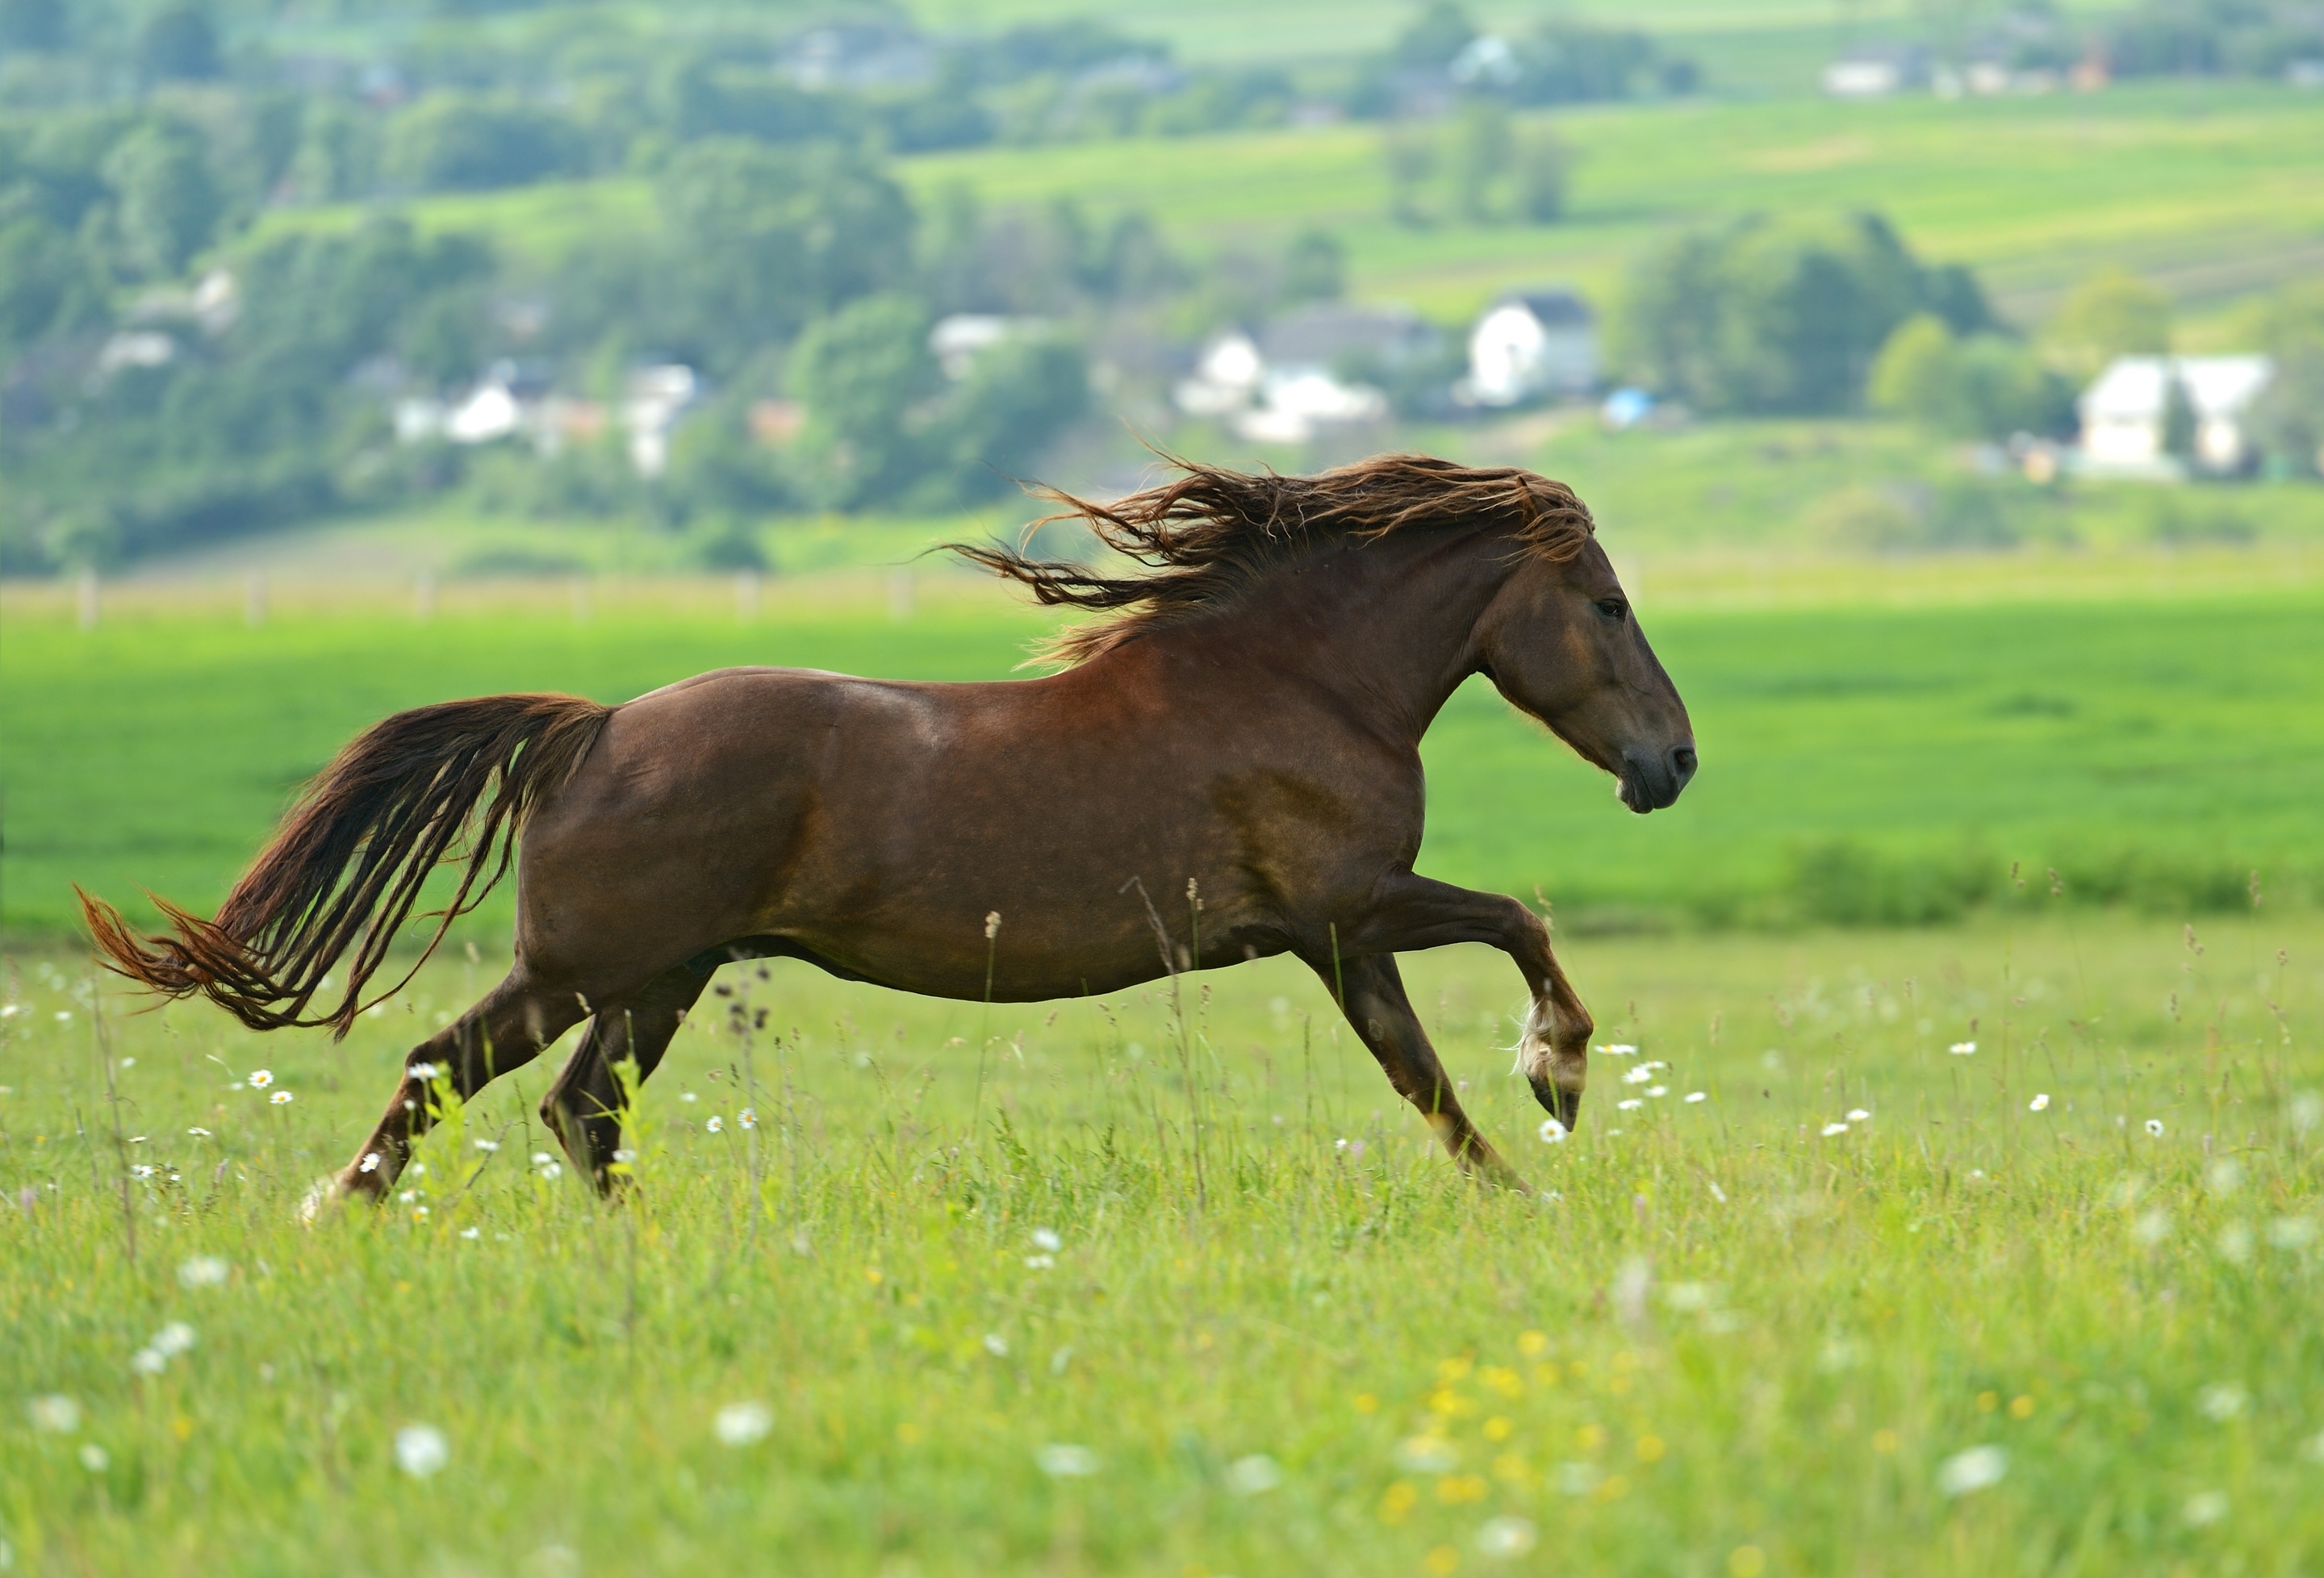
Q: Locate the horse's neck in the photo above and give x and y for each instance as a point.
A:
(1391, 623)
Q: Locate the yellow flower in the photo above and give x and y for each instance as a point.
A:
(1502, 1381)
(1886, 1441)
(1498, 1428)
(1454, 1489)
(1511, 1470)
(1366, 1403)
(1397, 1502)
(1987, 1401)
(1747, 1562)
(1590, 1437)
(2020, 1408)
(1650, 1448)
(1532, 1345)
(1449, 1371)
(1440, 1561)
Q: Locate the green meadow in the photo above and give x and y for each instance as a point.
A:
(1881, 739)
(1168, 1284)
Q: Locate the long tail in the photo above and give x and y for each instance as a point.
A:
(349, 862)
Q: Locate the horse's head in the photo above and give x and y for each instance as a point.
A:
(1560, 641)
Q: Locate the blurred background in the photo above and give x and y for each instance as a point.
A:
(1948, 378)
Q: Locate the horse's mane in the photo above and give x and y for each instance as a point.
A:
(1209, 533)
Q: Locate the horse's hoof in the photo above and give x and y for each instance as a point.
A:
(320, 1197)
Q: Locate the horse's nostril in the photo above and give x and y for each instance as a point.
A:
(1683, 761)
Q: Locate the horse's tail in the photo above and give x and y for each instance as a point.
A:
(349, 862)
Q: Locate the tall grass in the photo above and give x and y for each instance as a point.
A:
(1720, 1340)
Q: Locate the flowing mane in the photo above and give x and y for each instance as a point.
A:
(1208, 533)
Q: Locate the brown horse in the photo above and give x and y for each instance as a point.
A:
(1246, 730)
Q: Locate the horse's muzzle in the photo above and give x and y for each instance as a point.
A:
(1649, 782)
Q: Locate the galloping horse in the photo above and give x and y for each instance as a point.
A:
(1248, 721)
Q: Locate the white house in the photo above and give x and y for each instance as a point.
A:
(1304, 372)
(2124, 412)
(653, 400)
(1531, 343)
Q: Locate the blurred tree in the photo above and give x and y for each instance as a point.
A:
(167, 206)
(46, 284)
(2180, 424)
(1314, 267)
(1770, 314)
(178, 45)
(1017, 396)
(760, 240)
(1544, 165)
(1409, 151)
(2288, 420)
(864, 373)
(1979, 386)
(1483, 151)
(2112, 313)
(456, 141)
(1442, 31)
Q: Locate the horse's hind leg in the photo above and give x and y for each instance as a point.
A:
(584, 1107)
(1377, 1006)
(506, 1030)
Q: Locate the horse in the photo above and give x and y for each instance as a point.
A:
(1239, 725)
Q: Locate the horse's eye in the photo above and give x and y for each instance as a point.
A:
(1613, 608)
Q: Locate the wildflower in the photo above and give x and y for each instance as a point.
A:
(142, 1171)
(1044, 1238)
(259, 1079)
(146, 1361)
(1619, 1050)
(281, 1098)
(63, 1015)
(1254, 1475)
(1039, 1262)
(741, 1424)
(1963, 1049)
(198, 1133)
(1631, 1105)
(10, 1010)
(542, 1159)
(2207, 1509)
(423, 1072)
(419, 1213)
(1694, 1096)
(1973, 1470)
(550, 1171)
(204, 1271)
(625, 1155)
(370, 1164)
(2222, 1400)
(996, 1345)
(408, 1196)
(1552, 1132)
(2292, 1232)
(56, 1412)
(1427, 1454)
(1506, 1538)
(714, 1124)
(1657, 1091)
(686, 1096)
(2151, 1228)
(1638, 1076)
(420, 1450)
(472, 1234)
(747, 1118)
(1064, 1460)
(2040, 1100)
(173, 1339)
(488, 1146)
(93, 1457)
(1831, 1129)
(2155, 1128)
(1857, 1114)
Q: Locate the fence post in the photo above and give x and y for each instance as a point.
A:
(91, 604)
(423, 597)
(254, 600)
(746, 596)
(899, 596)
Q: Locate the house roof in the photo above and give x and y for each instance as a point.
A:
(1552, 306)
(2134, 388)
(1322, 334)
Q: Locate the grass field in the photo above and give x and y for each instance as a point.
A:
(1112, 1290)
(1879, 741)
(2212, 188)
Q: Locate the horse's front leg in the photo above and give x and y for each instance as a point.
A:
(1373, 998)
(1410, 913)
